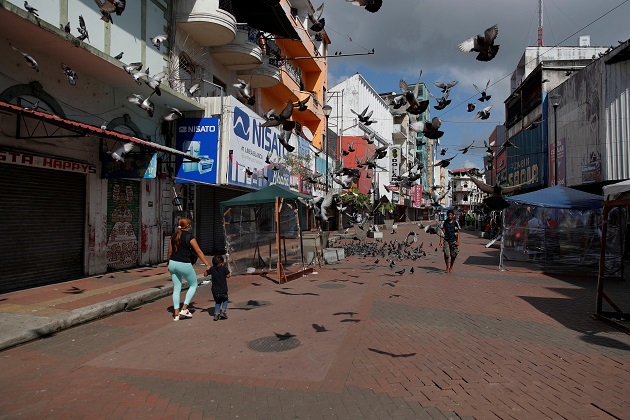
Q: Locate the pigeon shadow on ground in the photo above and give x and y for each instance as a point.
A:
(394, 355)
(431, 269)
(482, 260)
(282, 292)
(74, 291)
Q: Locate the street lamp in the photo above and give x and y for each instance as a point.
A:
(327, 110)
(555, 101)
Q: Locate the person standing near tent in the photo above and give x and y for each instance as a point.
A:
(450, 239)
(181, 249)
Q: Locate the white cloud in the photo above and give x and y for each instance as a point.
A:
(409, 35)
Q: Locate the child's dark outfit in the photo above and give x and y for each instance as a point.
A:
(219, 275)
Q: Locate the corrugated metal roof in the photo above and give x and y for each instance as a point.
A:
(86, 129)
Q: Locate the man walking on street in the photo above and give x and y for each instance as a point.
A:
(450, 239)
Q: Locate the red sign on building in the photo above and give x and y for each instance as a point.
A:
(417, 195)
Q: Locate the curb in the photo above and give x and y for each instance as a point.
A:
(89, 313)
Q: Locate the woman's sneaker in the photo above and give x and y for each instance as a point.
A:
(223, 315)
(185, 313)
(216, 317)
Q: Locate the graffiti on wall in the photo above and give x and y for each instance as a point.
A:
(122, 224)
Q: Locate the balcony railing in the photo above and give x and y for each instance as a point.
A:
(295, 73)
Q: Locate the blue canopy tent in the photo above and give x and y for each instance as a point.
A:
(553, 227)
(559, 197)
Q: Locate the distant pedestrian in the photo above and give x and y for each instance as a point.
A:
(450, 239)
(220, 274)
(182, 249)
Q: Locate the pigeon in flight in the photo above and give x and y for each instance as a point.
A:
(496, 200)
(194, 89)
(430, 129)
(465, 149)
(484, 114)
(154, 82)
(274, 119)
(284, 137)
(148, 106)
(175, 114)
(443, 152)
(445, 86)
(445, 162)
(119, 154)
(31, 9)
(158, 40)
(83, 30)
(108, 7)
(318, 22)
(245, 91)
(320, 205)
(369, 138)
(442, 102)
(484, 96)
(482, 44)
(142, 102)
(30, 60)
(301, 105)
(398, 101)
(138, 77)
(131, 67)
(70, 74)
(370, 5)
(415, 107)
(436, 199)
(471, 107)
(364, 117)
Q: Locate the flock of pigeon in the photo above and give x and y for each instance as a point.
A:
(387, 253)
(483, 45)
(486, 49)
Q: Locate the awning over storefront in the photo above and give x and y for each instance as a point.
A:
(86, 130)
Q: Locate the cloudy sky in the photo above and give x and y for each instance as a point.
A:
(413, 35)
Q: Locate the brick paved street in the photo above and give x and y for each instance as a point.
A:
(352, 340)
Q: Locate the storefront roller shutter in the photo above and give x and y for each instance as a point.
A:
(42, 222)
(209, 225)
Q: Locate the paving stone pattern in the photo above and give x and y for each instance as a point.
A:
(475, 343)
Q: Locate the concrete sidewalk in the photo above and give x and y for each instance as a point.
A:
(30, 314)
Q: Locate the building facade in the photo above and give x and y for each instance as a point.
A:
(466, 196)
(271, 49)
(68, 106)
(65, 109)
(349, 97)
(539, 71)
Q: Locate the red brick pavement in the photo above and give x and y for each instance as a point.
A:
(473, 343)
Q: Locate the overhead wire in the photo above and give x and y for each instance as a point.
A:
(544, 52)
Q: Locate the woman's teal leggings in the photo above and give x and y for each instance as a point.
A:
(178, 271)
